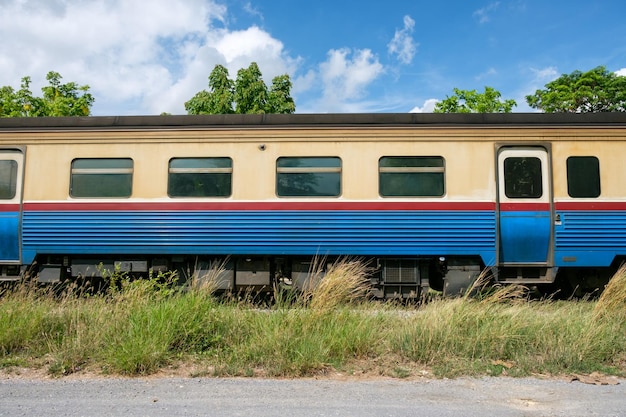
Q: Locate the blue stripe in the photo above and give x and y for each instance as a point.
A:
(395, 233)
(590, 238)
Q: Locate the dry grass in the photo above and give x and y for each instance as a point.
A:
(484, 290)
(613, 299)
(143, 327)
(345, 281)
(208, 282)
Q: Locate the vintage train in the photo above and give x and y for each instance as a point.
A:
(429, 199)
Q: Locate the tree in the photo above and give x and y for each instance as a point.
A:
(220, 98)
(470, 101)
(251, 93)
(247, 94)
(596, 90)
(58, 99)
(280, 100)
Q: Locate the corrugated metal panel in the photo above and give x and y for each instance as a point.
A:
(262, 232)
(592, 230)
(589, 238)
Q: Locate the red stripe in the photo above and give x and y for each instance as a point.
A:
(591, 205)
(524, 207)
(9, 207)
(314, 206)
(260, 206)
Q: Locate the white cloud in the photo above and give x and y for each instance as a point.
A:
(234, 50)
(147, 60)
(537, 81)
(402, 45)
(304, 82)
(345, 76)
(490, 72)
(621, 72)
(427, 107)
(484, 14)
(136, 59)
(253, 11)
(544, 74)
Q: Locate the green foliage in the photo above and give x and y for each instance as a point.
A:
(470, 101)
(121, 284)
(596, 90)
(220, 98)
(247, 94)
(142, 326)
(58, 99)
(280, 100)
(251, 93)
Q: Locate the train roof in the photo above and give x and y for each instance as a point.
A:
(316, 120)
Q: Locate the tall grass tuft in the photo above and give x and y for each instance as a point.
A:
(484, 290)
(345, 281)
(24, 313)
(153, 319)
(476, 334)
(319, 328)
(613, 298)
(208, 281)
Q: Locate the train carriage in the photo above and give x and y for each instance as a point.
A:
(429, 199)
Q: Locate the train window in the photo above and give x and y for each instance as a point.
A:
(8, 179)
(200, 177)
(101, 177)
(583, 176)
(308, 176)
(522, 177)
(411, 176)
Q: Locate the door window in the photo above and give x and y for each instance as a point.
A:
(522, 177)
(8, 179)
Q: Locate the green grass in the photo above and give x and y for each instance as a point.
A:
(141, 327)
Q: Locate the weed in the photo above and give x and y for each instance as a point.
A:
(139, 326)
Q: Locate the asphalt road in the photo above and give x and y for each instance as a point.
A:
(158, 397)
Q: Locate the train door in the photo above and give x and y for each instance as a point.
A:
(11, 168)
(524, 207)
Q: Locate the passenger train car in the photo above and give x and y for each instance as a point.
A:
(429, 199)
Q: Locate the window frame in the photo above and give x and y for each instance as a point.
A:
(200, 170)
(416, 170)
(283, 171)
(121, 170)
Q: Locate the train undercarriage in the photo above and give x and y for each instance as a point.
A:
(390, 277)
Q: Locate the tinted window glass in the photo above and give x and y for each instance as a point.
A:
(8, 179)
(522, 177)
(200, 177)
(308, 177)
(415, 176)
(101, 177)
(583, 176)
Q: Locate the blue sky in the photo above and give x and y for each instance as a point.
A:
(148, 57)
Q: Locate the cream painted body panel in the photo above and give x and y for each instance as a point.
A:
(612, 167)
(468, 153)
